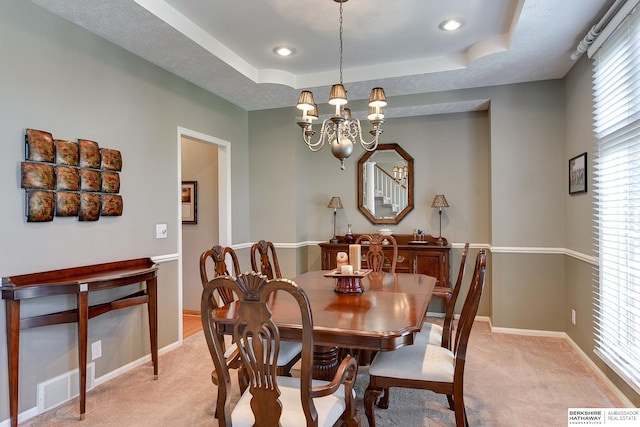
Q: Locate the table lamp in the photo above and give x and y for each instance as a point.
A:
(440, 202)
(336, 204)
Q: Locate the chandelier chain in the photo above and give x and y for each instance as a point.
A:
(340, 42)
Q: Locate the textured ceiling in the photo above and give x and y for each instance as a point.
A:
(226, 47)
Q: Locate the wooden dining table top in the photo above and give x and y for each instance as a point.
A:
(385, 316)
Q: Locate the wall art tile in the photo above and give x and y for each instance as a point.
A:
(37, 176)
(89, 154)
(110, 182)
(89, 207)
(39, 146)
(40, 205)
(111, 205)
(111, 159)
(67, 203)
(90, 180)
(67, 178)
(67, 153)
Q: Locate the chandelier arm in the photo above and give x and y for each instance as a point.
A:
(355, 129)
(326, 133)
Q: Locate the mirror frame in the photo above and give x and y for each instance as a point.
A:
(409, 206)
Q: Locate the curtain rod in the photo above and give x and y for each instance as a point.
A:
(595, 31)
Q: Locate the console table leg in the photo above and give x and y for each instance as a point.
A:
(12, 312)
(152, 285)
(83, 320)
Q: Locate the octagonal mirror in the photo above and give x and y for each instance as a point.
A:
(385, 184)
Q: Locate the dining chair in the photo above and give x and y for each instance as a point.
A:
(376, 259)
(434, 333)
(218, 255)
(430, 367)
(264, 253)
(441, 335)
(272, 400)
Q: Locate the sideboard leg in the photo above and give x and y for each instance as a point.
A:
(152, 286)
(83, 321)
(12, 312)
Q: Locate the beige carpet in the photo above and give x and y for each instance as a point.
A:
(510, 381)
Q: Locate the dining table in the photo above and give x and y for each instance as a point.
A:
(386, 315)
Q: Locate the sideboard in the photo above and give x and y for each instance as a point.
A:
(424, 256)
(78, 281)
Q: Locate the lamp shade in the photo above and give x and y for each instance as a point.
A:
(440, 202)
(377, 98)
(338, 95)
(375, 113)
(335, 203)
(313, 113)
(305, 101)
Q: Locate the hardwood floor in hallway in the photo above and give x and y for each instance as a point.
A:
(191, 324)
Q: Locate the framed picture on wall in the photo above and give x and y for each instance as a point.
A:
(578, 174)
(189, 197)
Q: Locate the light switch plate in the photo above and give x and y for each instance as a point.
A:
(161, 231)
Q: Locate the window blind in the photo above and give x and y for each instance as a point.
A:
(617, 191)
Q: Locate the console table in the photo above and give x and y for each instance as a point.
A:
(77, 281)
(424, 256)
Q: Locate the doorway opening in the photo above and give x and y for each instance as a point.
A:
(206, 159)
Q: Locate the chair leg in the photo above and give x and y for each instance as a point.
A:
(383, 403)
(370, 396)
(460, 412)
(450, 400)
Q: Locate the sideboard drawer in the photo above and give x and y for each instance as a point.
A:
(404, 262)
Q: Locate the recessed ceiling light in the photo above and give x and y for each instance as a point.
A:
(451, 24)
(284, 51)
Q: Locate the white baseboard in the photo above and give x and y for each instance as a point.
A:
(601, 374)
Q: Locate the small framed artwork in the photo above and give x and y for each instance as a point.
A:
(578, 174)
(189, 198)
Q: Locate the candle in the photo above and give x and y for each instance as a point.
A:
(346, 269)
(354, 257)
(341, 259)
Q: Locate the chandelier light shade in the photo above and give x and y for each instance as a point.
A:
(440, 202)
(341, 130)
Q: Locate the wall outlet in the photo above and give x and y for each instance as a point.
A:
(161, 231)
(573, 316)
(96, 350)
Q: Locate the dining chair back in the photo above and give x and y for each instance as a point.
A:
(269, 396)
(264, 254)
(376, 259)
(218, 255)
(446, 332)
(427, 366)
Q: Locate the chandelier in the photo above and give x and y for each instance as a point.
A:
(341, 130)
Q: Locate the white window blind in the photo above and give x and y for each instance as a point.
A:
(617, 191)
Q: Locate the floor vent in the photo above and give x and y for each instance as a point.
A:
(61, 389)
